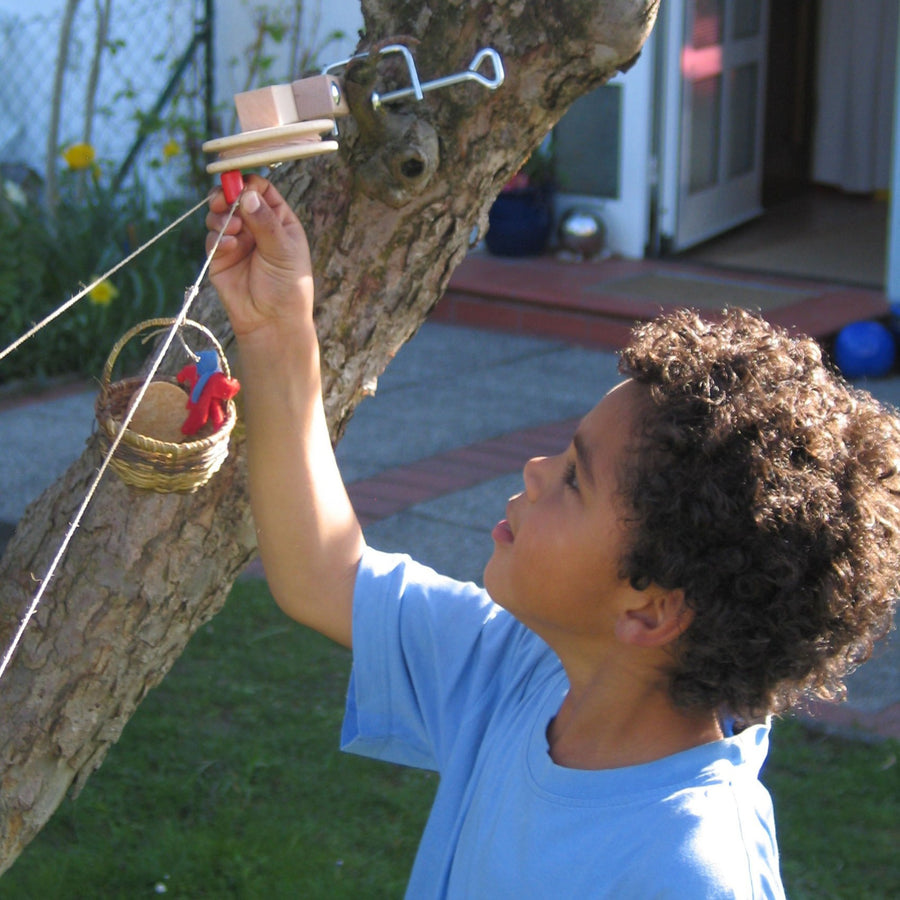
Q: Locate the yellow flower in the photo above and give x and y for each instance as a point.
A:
(171, 148)
(79, 156)
(103, 293)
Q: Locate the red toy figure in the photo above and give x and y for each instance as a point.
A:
(211, 389)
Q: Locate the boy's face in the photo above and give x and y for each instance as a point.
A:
(557, 555)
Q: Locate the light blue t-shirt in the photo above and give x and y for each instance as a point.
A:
(444, 679)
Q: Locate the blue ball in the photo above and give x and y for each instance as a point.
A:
(864, 349)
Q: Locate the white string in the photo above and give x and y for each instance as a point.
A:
(84, 292)
(73, 527)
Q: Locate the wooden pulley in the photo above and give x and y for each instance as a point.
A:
(280, 123)
(268, 146)
(286, 121)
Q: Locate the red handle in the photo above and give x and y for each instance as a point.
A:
(232, 185)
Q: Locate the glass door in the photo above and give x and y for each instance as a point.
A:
(717, 62)
(603, 157)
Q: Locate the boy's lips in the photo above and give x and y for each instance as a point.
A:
(502, 533)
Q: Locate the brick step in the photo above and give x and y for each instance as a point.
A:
(596, 303)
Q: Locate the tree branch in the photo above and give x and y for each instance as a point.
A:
(389, 217)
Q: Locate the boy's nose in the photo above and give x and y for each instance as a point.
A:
(532, 474)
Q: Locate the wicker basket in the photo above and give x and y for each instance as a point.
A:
(145, 462)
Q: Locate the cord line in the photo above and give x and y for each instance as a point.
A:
(190, 296)
(85, 291)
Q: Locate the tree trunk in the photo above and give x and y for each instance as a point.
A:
(389, 217)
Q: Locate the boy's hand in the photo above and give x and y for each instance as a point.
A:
(262, 267)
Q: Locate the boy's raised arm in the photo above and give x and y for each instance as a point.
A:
(309, 537)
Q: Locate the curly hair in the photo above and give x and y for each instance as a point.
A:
(767, 489)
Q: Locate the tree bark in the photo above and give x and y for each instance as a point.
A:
(389, 216)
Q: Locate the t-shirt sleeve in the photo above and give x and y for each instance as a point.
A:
(427, 652)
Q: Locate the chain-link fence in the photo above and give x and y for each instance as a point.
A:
(132, 80)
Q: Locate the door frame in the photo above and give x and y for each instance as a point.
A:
(672, 141)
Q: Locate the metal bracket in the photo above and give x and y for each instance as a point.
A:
(417, 88)
(285, 121)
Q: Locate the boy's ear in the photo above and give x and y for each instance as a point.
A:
(656, 618)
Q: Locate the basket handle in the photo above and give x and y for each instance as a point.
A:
(158, 323)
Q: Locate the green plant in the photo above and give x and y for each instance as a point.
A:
(49, 256)
(837, 807)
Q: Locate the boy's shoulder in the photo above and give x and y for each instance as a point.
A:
(696, 824)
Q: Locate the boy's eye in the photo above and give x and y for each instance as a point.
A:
(570, 478)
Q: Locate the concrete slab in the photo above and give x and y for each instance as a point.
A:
(453, 386)
(38, 442)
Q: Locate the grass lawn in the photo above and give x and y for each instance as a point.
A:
(227, 783)
(837, 806)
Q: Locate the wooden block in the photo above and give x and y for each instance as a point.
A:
(266, 107)
(319, 97)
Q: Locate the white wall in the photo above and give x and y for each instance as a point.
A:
(893, 243)
(152, 33)
(857, 54)
(235, 32)
(31, 7)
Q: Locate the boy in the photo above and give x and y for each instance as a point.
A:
(719, 539)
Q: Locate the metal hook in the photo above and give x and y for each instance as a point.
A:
(194, 356)
(471, 74)
(417, 88)
(184, 344)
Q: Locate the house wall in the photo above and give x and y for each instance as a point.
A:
(893, 244)
(148, 36)
(236, 33)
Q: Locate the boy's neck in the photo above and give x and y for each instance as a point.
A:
(592, 731)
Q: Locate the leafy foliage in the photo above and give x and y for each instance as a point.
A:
(49, 256)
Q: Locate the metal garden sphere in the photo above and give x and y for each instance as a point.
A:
(581, 231)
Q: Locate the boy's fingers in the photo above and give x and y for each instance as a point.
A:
(271, 196)
(226, 244)
(225, 241)
(265, 224)
(250, 202)
(217, 202)
(262, 219)
(216, 221)
(259, 219)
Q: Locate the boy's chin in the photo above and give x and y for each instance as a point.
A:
(491, 581)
